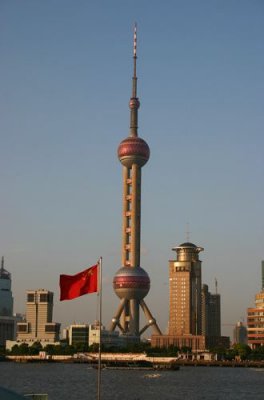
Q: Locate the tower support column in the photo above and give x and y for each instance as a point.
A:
(126, 218)
(136, 212)
(134, 317)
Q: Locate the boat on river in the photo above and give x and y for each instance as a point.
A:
(137, 365)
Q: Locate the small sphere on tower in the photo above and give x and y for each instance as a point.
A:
(131, 283)
(133, 150)
(134, 103)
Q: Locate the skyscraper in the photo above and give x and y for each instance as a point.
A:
(185, 317)
(6, 298)
(194, 316)
(255, 322)
(240, 333)
(211, 313)
(131, 282)
(255, 319)
(185, 290)
(38, 325)
(262, 274)
(7, 320)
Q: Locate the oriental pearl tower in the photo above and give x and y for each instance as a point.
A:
(131, 282)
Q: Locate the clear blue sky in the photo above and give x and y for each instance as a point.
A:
(66, 70)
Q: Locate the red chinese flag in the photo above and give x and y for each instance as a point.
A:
(84, 282)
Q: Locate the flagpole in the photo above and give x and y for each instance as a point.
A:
(100, 329)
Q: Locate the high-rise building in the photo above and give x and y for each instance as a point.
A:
(106, 337)
(38, 325)
(78, 334)
(185, 291)
(211, 313)
(240, 333)
(131, 282)
(255, 322)
(6, 298)
(255, 317)
(194, 316)
(185, 313)
(262, 275)
(7, 320)
(205, 309)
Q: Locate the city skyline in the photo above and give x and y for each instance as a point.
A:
(22, 314)
(66, 71)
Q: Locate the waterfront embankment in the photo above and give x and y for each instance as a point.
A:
(92, 358)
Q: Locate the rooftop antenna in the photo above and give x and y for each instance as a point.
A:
(216, 283)
(188, 232)
(3, 272)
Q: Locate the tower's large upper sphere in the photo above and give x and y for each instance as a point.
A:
(131, 283)
(133, 150)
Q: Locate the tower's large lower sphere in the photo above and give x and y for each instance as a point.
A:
(131, 283)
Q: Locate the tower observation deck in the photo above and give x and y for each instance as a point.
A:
(131, 282)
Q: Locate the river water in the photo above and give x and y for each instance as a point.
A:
(78, 382)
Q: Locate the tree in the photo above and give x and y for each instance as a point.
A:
(50, 349)
(257, 353)
(35, 348)
(172, 351)
(80, 347)
(186, 349)
(94, 347)
(242, 350)
(220, 351)
(20, 350)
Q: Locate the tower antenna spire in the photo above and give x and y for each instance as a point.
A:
(134, 86)
(134, 102)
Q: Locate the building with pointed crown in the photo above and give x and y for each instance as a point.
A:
(6, 298)
(7, 320)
